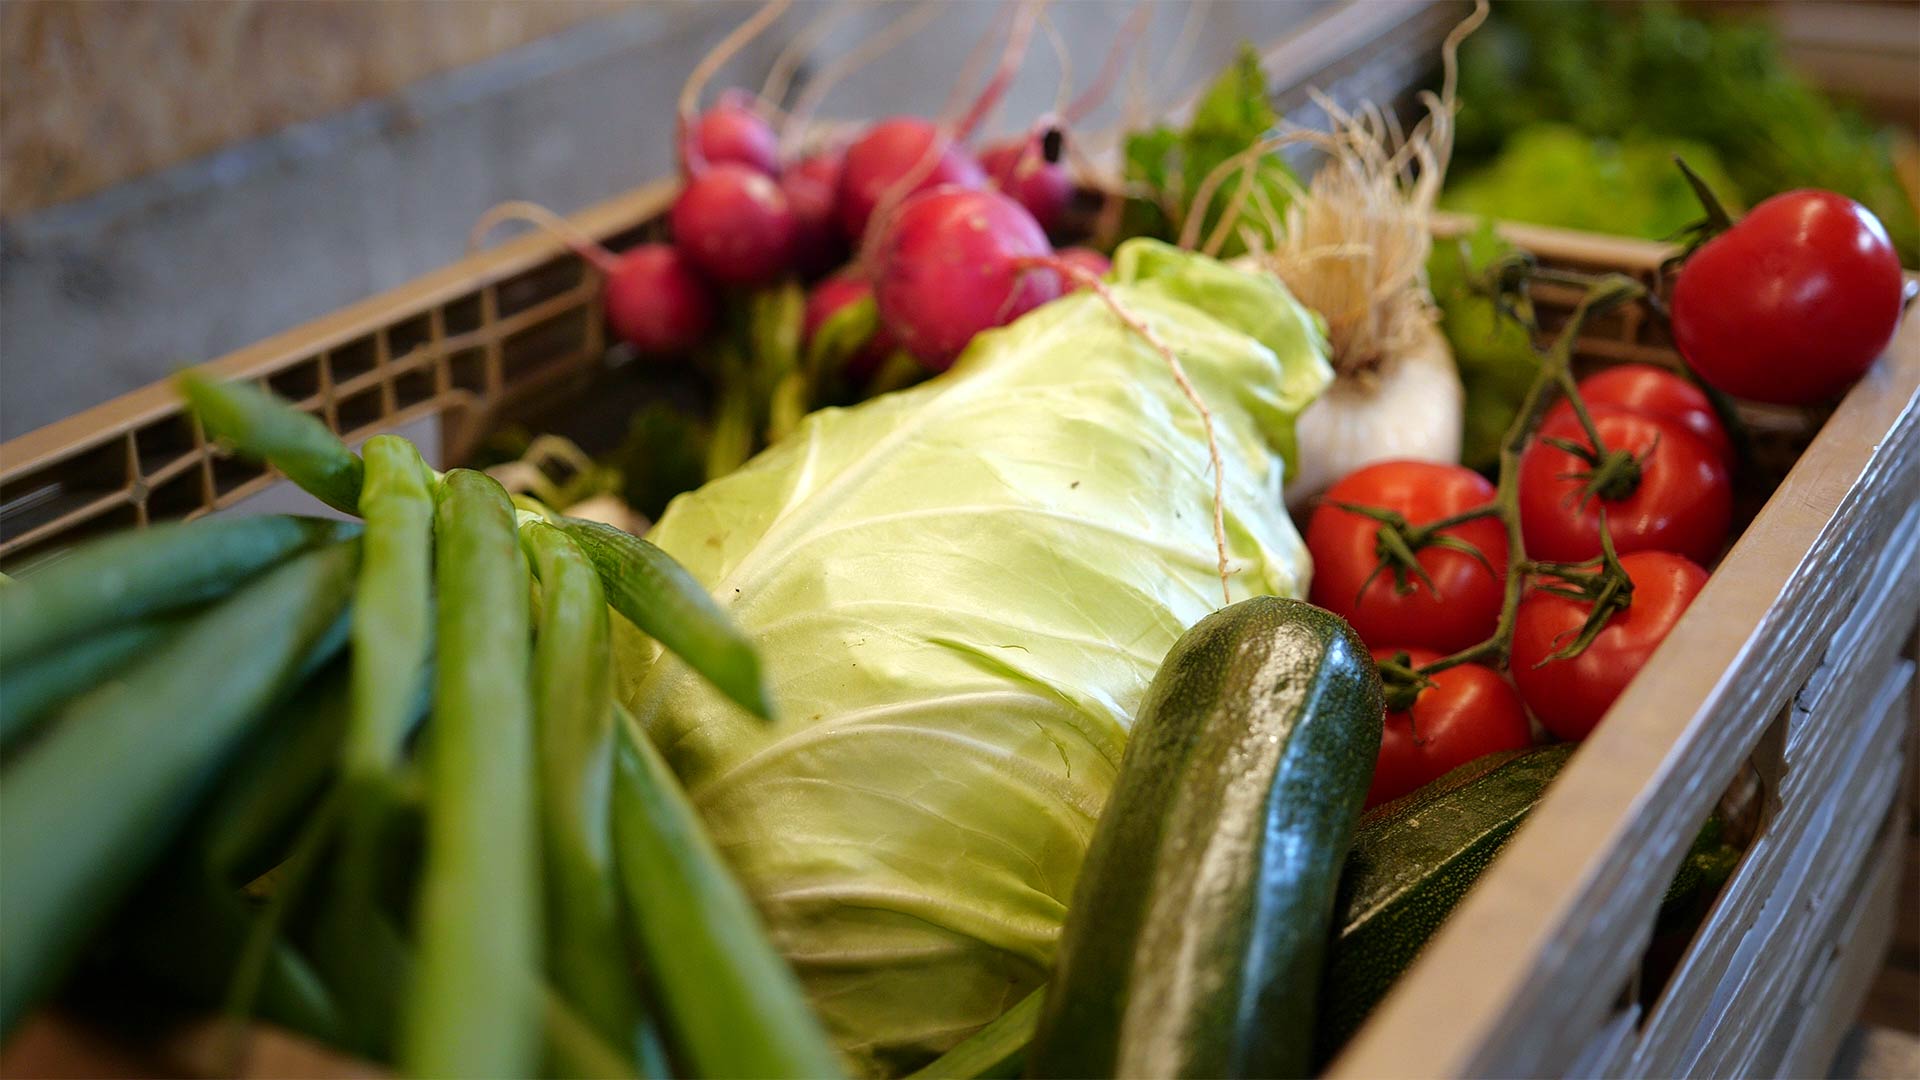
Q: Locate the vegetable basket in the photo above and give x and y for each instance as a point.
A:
(1792, 670)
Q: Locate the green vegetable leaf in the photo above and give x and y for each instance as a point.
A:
(1233, 114)
(959, 592)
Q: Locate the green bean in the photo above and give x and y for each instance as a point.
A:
(39, 685)
(392, 636)
(731, 1003)
(657, 595)
(573, 704)
(263, 427)
(392, 606)
(91, 804)
(131, 575)
(995, 1052)
(474, 1008)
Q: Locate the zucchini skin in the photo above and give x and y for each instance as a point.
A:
(1194, 943)
(1412, 861)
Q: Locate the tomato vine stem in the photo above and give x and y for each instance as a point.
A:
(1506, 282)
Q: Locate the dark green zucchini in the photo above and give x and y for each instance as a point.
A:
(1412, 860)
(1195, 939)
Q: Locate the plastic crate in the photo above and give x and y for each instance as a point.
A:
(1794, 662)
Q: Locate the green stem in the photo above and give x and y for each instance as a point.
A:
(1555, 372)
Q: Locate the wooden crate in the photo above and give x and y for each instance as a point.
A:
(1793, 660)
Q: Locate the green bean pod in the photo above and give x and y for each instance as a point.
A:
(85, 809)
(731, 1003)
(131, 575)
(266, 428)
(657, 595)
(474, 1007)
(392, 607)
(39, 685)
(573, 707)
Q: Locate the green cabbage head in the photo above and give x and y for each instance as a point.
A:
(960, 592)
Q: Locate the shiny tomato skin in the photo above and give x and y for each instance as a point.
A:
(1342, 545)
(1570, 696)
(1684, 502)
(1658, 393)
(1467, 713)
(1793, 303)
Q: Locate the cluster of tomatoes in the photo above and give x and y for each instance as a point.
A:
(1660, 477)
(1620, 502)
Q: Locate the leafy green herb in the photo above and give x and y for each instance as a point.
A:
(1234, 114)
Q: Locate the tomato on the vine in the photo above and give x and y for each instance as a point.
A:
(1450, 599)
(1658, 393)
(1792, 303)
(1676, 498)
(1571, 695)
(1467, 713)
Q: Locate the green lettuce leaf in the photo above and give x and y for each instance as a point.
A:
(959, 592)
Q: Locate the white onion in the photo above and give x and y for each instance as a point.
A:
(1409, 407)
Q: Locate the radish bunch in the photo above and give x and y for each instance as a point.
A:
(902, 215)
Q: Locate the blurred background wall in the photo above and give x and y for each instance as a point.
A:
(181, 179)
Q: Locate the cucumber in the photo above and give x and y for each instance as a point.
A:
(1412, 861)
(1194, 942)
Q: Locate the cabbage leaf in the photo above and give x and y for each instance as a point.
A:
(959, 593)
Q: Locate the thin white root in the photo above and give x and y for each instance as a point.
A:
(1010, 57)
(1062, 57)
(1091, 281)
(1102, 84)
(793, 132)
(689, 104)
(521, 210)
(773, 90)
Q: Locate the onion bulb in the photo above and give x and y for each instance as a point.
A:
(1353, 246)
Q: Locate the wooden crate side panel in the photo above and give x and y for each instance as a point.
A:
(1817, 851)
(1834, 996)
(1556, 926)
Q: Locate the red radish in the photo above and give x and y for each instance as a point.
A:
(655, 302)
(1030, 170)
(812, 185)
(734, 224)
(654, 299)
(897, 158)
(954, 261)
(828, 299)
(733, 131)
(1086, 259)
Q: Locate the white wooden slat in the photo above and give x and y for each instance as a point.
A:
(1815, 846)
(1835, 997)
(1735, 938)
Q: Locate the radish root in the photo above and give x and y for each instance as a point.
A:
(704, 71)
(794, 132)
(996, 88)
(550, 223)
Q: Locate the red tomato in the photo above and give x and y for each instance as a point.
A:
(1684, 501)
(1468, 712)
(1793, 303)
(1464, 603)
(1659, 393)
(1570, 696)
